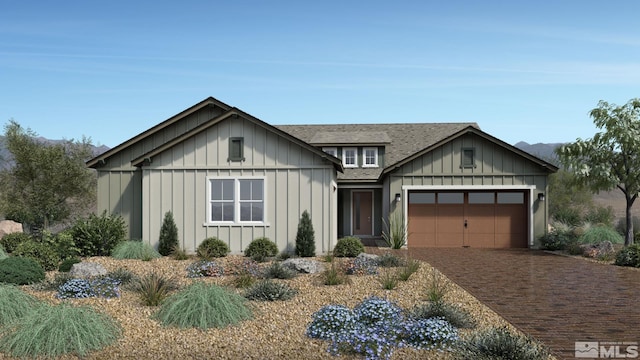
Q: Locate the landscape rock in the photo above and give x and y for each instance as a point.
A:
(598, 250)
(9, 227)
(302, 265)
(372, 257)
(87, 269)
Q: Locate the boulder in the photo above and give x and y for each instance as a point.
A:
(369, 257)
(304, 265)
(86, 270)
(9, 227)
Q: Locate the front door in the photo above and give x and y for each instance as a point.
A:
(362, 212)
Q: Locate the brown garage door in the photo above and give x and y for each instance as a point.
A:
(488, 219)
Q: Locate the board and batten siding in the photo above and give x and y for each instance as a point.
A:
(120, 183)
(296, 179)
(495, 166)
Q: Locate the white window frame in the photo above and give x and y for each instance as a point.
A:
(331, 151)
(236, 201)
(355, 157)
(375, 157)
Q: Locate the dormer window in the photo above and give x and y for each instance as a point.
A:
(350, 157)
(331, 151)
(370, 157)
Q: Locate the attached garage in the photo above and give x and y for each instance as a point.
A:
(458, 218)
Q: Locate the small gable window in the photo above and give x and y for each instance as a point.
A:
(236, 149)
(370, 157)
(468, 158)
(350, 157)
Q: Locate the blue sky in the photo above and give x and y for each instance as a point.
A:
(523, 70)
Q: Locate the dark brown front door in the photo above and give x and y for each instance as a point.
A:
(362, 212)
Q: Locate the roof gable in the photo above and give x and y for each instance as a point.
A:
(210, 101)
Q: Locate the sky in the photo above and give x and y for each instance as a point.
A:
(523, 70)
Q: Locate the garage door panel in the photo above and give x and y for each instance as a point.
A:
(494, 220)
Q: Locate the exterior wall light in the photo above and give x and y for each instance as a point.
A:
(397, 199)
(540, 196)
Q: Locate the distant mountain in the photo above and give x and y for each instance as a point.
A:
(541, 150)
(5, 155)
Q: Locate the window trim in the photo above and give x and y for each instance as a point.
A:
(463, 164)
(231, 155)
(236, 201)
(334, 149)
(344, 157)
(375, 157)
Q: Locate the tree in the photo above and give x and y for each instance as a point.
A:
(611, 159)
(168, 235)
(47, 182)
(305, 238)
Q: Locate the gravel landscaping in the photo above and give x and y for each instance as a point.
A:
(277, 330)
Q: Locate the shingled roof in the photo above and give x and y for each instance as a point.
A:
(400, 140)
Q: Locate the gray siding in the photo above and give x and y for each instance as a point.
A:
(296, 180)
(494, 166)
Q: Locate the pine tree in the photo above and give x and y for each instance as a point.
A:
(168, 235)
(305, 239)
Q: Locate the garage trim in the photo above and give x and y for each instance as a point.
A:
(530, 188)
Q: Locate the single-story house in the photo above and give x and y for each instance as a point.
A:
(225, 173)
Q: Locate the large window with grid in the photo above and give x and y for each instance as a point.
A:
(236, 200)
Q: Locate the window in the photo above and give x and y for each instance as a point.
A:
(236, 200)
(236, 149)
(331, 151)
(468, 157)
(350, 157)
(370, 156)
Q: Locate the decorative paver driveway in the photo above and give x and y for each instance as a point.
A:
(556, 299)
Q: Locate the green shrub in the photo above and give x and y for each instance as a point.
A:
(574, 248)
(98, 235)
(568, 215)
(628, 256)
(389, 260)
(600, 215)
(11, 241)
(3, 254)
(212, 248)
(203, 306)
(261, 248)
(598, 234)
(269, 290)
(453, 314)
(168, 235)
(134, 250)
(348, 247)
(284, 255)
(44, 254)
(277, 271)
(20, 271)
(62, 243)
(50, 331)
(153, 288)
(180, 254)
(122, 275)
(14, 303)
(305, 237)
(244, 280)
(556, 240)
(65, 265)
(500, 343)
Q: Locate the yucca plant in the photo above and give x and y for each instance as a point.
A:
(135, 250)
(153, 288)
(203, 306)
(51, 331)
(395, 231)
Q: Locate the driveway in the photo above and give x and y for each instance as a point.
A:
(558, 300)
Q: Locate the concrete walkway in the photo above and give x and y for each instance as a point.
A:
(558, 300)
